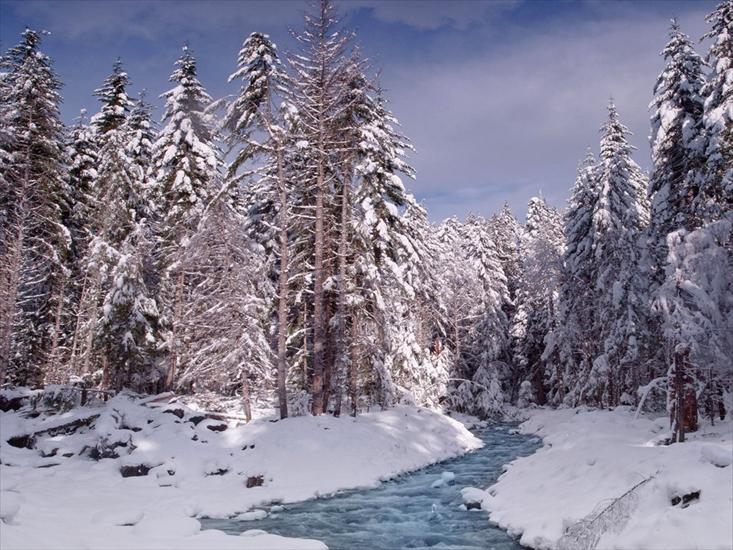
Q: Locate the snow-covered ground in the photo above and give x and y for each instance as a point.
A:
(590, 458)
(66, 499)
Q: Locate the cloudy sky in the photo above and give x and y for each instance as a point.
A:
(500, 98)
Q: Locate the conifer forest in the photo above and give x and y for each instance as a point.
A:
(255, 264)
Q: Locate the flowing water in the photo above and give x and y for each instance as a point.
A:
(406, 512)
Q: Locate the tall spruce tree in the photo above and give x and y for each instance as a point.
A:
(572, 342)
(258, 108)
(620, 215)
(115, 102)
(185, 170)
(677, 143)
(716, 189)
(540, 251)
(34, 243)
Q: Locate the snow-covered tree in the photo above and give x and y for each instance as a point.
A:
(540, 252)
(318, 96)
(572, 342)
(185, 169)
(224, 319)
(34, 243)
(128, 330)
(696, 303)
(716, 189)
(256, 126)
(506, 232)
(677, 143)
(81, 152)
(620, 216)
(115, 102)
(473, 291)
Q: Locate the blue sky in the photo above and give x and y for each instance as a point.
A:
(500, 98)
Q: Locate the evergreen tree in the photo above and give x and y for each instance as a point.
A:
(119, 264)
(716, 189)
(224, 319)
(115, 102)
(541, 248)
(620, 215)
(128, 331)
(264, 84)
(82, 154)
(34, 243)
(505, 232)
(185, 168)
(677, 144)
(572, 343)
(319, 94)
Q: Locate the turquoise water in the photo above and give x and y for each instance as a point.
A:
(406, 512)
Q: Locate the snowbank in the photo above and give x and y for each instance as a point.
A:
(57, 495)
(590, 458)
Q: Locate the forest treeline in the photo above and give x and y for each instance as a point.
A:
(266, 242)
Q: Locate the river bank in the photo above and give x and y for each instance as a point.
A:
(683, 497)
(64, 493)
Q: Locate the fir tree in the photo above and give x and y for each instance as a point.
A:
(115, 102)
(224, 320)
(572, 342)
(185, 168)
(620, 215)
(33, 240)
(541, 246)
(318, 97)
(264, 83)
(128, 330)
(716, 189)
(677, 143)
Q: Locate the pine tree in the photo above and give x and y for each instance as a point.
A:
(621, 214)
(716, 189)
(677, 142)
(125, 337)
(140, 136)
(185, 168)
(541, 246)
(224, 319)
(115, 102)
(505, 232)
(33, 240)
(128, 331)
(318, 97)
(572, 343)
(82, 154)
(264, 83)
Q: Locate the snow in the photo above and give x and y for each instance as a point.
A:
(196, 472)
(590, 458)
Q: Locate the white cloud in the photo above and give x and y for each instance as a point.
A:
(515, 120)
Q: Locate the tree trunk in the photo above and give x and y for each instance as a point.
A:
(319, 322)
(246, 403)
(53, 356)
(352, 365)
(175, 322)
(282, 306)
(10, 298)
(341, 347)
(683, 396)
